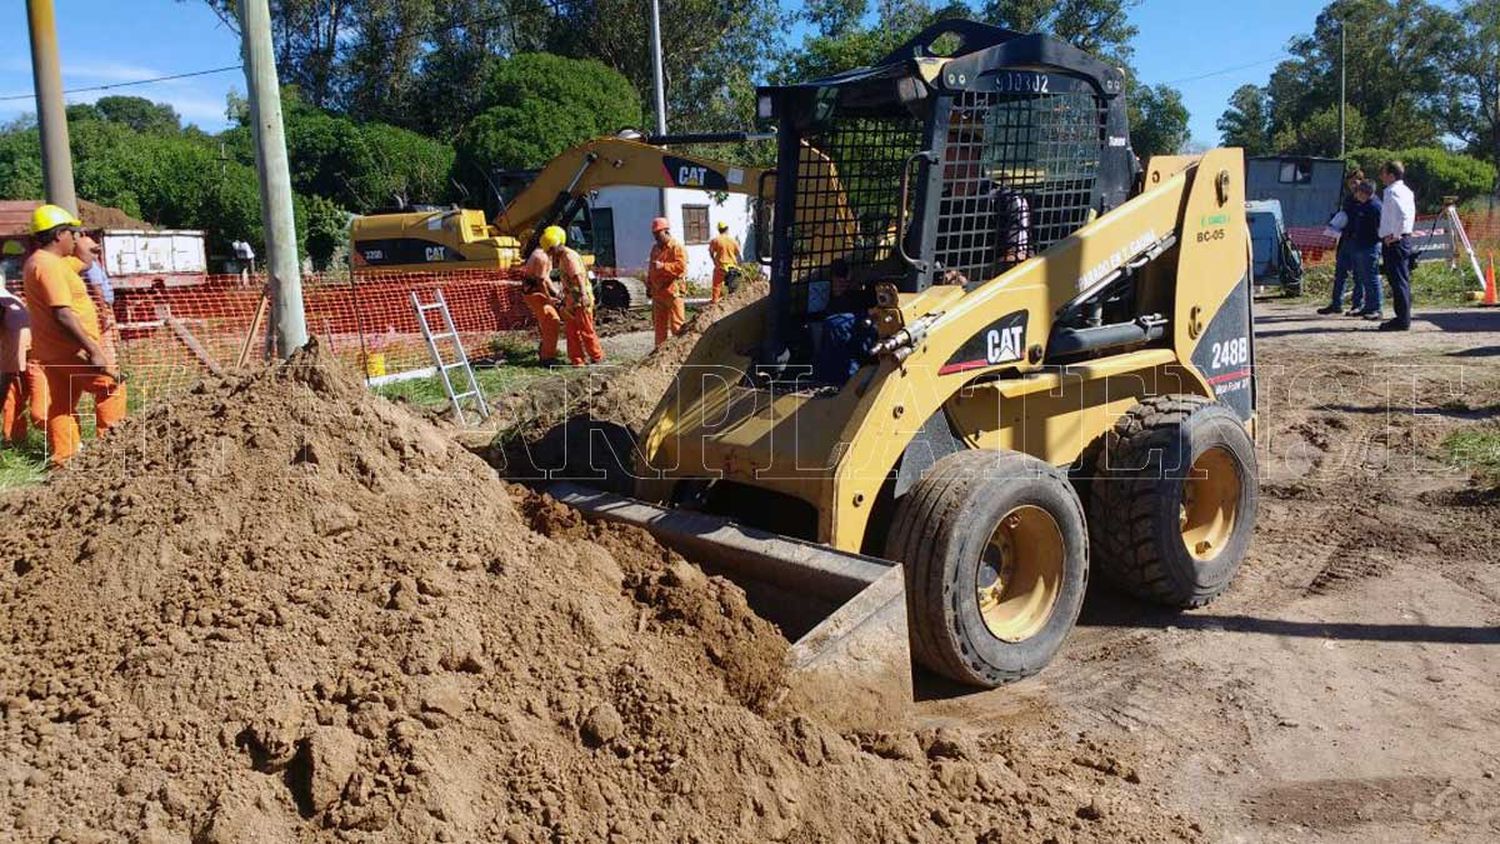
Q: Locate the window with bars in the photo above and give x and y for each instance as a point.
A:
(847, 198)
(1019, 173)
(694, 224)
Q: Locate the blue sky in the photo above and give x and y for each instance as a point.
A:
(110, 41)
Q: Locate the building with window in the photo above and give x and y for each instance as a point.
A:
(620, 216)
(1308, 188)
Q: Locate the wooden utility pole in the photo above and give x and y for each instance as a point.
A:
(271, 166)
(51, 113)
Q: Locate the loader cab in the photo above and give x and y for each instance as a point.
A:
(963, 153)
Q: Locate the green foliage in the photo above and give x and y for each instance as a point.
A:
(136, 113)
(1476, 448)
(1100, 27)
(1431, 172)
(1432, 284)
(327, 229)
(1318, 134)
(1158, 120)
(1247, 122)
(1398, 54)
(139, 114)
(536, 106)
(20, 162)
(706, 43)
(1473, 105)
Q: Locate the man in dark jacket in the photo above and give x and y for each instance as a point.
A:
(1343, 264)
(1363, 234)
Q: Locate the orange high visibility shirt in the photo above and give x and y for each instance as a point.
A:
(667, 279)
(725, 251)
(52, 282)
(15, 333)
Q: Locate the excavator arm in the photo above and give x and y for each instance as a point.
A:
(564, 184)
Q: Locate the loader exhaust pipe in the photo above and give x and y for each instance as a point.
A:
(854, 664)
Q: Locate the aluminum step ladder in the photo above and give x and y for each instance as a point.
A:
(444, 368)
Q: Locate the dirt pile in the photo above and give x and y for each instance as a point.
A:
(551, 423)
(280, 609)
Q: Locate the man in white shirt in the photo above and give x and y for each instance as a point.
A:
(1398, 214)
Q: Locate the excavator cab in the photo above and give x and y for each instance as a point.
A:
(965, 152)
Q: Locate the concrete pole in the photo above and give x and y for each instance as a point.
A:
(287, 311)
(656, 69)
(51, 113)
(1343, 74)
(661, 92)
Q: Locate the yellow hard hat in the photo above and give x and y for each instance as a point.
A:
(553, 237)
(723, 226)
(47, 217)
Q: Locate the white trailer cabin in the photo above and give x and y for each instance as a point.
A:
(622, 214)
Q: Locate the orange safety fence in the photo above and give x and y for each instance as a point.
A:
(1483, 230)
(170, 332)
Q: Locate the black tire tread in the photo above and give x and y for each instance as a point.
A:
(1124, 503)
(923, 523)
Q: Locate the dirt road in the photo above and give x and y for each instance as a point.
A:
(1346, 687)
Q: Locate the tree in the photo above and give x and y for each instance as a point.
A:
(535, 106)
(1100, 27)
(140, 114)
(1396, 77)
(1318, 134)
(1473, 102)
(1246, 123)
(1432, 172)
(1158, 120)
(708, 46)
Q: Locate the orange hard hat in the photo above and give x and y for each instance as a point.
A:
(660, 224)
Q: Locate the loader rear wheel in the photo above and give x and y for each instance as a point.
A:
(1172, 506)
(996, 558)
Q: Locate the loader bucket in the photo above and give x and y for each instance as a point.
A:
(844, 613)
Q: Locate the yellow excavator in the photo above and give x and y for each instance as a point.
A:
(461, 239)
(998, 356)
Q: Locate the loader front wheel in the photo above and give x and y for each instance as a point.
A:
(996, 558)
(1173, 500)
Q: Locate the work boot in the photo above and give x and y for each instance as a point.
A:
(1394, 325)
(1331, 309)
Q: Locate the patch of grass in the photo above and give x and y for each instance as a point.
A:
(515, 365)
(1476, 448)
(23, 464)
(1432, 284)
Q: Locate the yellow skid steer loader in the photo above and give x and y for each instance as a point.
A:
(997, 353)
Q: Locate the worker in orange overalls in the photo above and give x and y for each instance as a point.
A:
(65, 335)
(541, 297)
(23, 389)
(664, 281)
(577, 299)
(725, 251)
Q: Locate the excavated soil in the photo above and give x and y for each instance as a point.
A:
(553, 421)
(281, 609)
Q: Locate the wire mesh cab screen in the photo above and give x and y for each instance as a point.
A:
(847, 197)
(1016, 171)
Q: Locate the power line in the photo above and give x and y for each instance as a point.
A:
(113, 85)
(1222, 71)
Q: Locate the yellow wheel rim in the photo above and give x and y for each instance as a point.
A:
(1210, 504)
(1020, 574)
